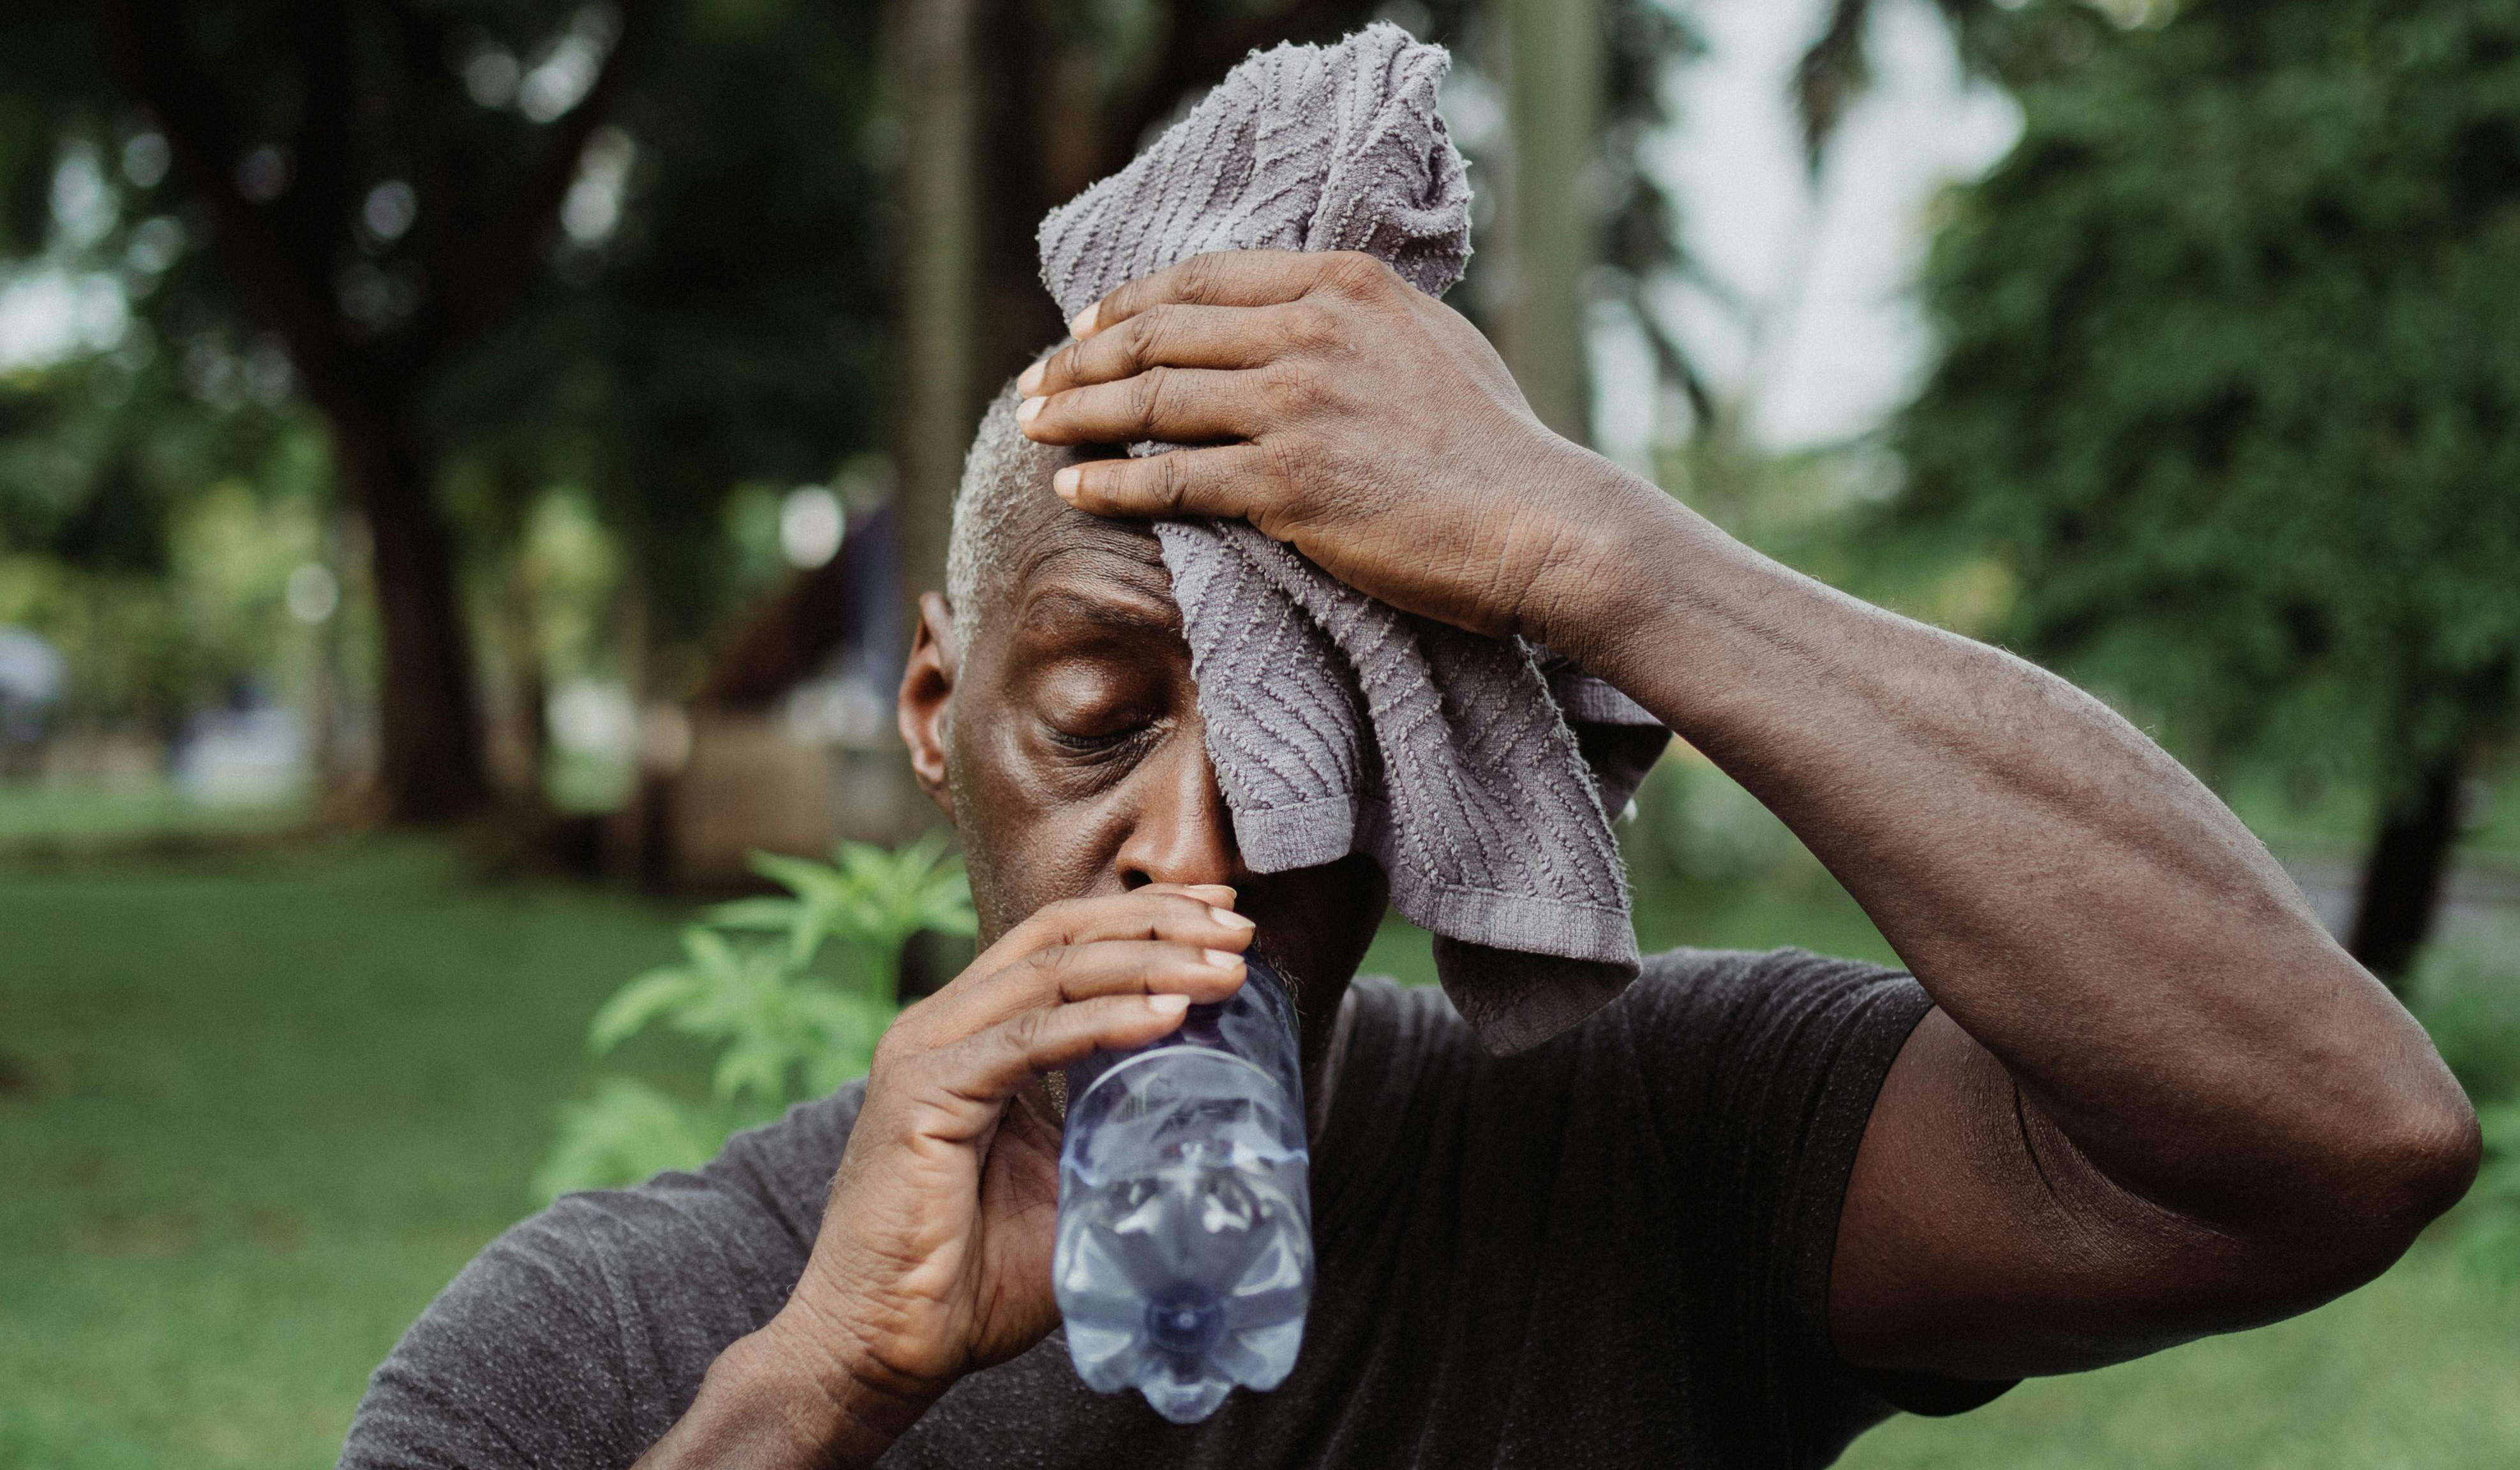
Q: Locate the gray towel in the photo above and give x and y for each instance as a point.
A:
(1336, 723)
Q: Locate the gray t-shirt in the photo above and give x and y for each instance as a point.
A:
(1613, 1250)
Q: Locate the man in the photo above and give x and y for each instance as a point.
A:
(2133, 1094)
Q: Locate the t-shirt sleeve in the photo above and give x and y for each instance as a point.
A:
(1762, 1070)
(577, 1338)
(519, 1361)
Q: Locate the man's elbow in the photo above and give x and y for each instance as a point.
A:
(2404, 1166)
(2430, 1158)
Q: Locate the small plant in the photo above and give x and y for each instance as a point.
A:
(747, 982)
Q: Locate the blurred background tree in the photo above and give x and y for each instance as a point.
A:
(355, 200)
(2230, 372)
(666, 261)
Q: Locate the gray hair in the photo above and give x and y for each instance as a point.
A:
(1006, 480)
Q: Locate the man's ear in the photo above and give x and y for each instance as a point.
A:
(927, 694)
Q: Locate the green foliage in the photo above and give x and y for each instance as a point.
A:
(1694, 824)
(783, 1033)
(872, 901)
(2231, 375)
(631, 1131)
(2468, 992)
(2493, 1244)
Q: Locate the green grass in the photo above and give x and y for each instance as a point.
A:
(51, 818)
(258, 1112)
(2416, 1371)
(254, 1112)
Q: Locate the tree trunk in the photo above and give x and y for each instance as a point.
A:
(1554, 54)
(938, 101)
(430, 735)
(2403, 880)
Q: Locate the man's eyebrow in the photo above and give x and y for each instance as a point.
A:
(1051, 606)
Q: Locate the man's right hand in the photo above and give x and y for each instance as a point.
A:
(933, 1258)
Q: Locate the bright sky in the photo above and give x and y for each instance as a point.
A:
(1823, 338)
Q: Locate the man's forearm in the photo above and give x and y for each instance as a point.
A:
(2073, 897)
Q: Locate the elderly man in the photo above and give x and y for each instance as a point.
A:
(2133, 1093)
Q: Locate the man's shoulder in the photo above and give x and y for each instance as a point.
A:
(572, 1331)
(1788, 977)
(1683, 985)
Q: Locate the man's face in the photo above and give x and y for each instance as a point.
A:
(1068, 750)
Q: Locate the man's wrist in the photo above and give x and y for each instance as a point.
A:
(1623, 533)
(789, 1397)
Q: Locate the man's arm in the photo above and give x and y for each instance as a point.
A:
(2155, 1099)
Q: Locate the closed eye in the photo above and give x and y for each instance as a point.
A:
(1099, 744)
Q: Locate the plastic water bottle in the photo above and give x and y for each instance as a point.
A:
(1184, 1263)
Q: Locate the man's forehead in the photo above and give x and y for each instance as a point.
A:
(1083, 568)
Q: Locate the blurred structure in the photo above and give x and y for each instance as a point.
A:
(32, 678)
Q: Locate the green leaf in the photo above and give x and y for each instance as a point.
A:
(629, 1133)
(753, 1066)
(712, 953)
(777, 915)
(640, 1001)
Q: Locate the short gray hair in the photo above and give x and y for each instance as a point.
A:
(1006, 480)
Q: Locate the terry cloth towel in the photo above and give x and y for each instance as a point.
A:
(1336, 723)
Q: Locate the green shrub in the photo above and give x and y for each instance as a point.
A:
(784, 1032)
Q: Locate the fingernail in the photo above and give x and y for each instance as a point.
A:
(1066, 480)
(1230, 919)
(1028, 379)
(1030, 409)
(1168, 1005)
(1217, 894)
(1224, 959)
(1083, 326)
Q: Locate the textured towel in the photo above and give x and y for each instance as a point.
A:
(1336, 723)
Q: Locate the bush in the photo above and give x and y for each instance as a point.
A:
(785, 1034)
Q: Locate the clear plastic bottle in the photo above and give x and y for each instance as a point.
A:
(1184, 1263)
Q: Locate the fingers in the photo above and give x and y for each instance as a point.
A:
(1185, 914)
(1174, 336)
(1075, 973)
(1237, 278)
(1226, 481)
(1160, 937)
(995, 1064)
(1182, 405)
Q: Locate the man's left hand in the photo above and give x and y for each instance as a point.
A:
(1341, 410)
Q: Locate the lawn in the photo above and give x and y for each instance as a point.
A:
(257, 1112)
(254, 1111)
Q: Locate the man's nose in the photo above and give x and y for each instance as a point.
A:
(1182, 831)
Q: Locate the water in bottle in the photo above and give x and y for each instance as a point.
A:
(1184, 1263)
